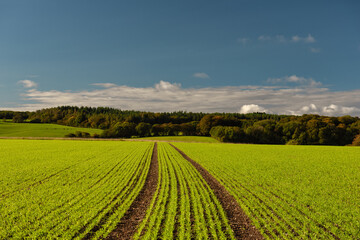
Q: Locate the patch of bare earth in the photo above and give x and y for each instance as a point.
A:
(238, 220)
(137, 211)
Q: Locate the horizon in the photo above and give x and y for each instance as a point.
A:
(206, 56)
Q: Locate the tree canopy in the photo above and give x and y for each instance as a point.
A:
(226, 127)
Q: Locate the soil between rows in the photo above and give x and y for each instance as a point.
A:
(127, 227)
(238, 220)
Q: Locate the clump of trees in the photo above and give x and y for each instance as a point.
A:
(7, 115)
(306, 129)
(226, 127)
(228, 134)
(78, 134)
(19, 117)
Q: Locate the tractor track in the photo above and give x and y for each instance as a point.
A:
(238, 220)
(127, 227)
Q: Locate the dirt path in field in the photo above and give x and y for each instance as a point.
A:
(137, 211)
(238, 220)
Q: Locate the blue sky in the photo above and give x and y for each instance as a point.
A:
(289, 57)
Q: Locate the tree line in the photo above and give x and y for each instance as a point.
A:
(226, 127)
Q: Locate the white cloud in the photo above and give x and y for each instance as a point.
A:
(333, 109)
(166, 86)
(308, 39)
(28, 83)
(250, 108)
(105, 85)
(328, 110)
(285, 39)
(243, 40)
(276, 38)
(295, 38)
(296, 80)
(166, 96)
(201, 75)
(309, 109)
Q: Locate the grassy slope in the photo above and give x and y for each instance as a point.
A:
(289, 191)
(184, 139)
(9, 129)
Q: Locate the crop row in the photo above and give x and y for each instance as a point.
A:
(68, 191)
(183, 206)
(289, 191)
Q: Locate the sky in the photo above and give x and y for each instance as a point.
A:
(282, 57)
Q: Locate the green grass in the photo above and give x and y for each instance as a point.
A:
(290, 192)
(183, 139)
(67, 189)
(9, 129)
(182, 202)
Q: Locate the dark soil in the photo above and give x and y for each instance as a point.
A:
(137, 211)
(238, 220)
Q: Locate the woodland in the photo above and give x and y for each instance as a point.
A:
(259, 128)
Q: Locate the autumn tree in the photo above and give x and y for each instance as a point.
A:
(356, 141)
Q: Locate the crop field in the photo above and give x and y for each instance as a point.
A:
(96, 189)
(184, 206)
(10, 129)
(68, 189)
(290, 192)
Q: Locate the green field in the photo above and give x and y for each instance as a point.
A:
(68, 189)
(10, 129)
(183, 199)
(289, 191)
(183, 139)
(81, 189)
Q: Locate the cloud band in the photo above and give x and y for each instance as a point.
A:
(166, 96)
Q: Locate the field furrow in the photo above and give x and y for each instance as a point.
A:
(184, 206)
(128, 224)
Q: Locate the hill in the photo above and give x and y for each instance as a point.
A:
(10, 129)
